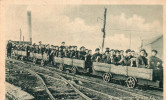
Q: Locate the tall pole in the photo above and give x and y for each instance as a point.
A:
(23, 38)
(20, 35)
(142, 44)
(130, 41)
(103, 30)
(30, 26)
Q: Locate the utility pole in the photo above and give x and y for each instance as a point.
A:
(103, 30)
(20, 35)
(130, 41)
(23, 38)
(142, 43)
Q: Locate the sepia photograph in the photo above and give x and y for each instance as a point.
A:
(84, 52)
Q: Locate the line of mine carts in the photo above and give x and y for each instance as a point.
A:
(132, 76)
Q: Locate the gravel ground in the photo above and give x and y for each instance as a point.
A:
(105, 90)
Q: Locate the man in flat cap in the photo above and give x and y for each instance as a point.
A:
(62, 45)
(154, 61)
(127, 58)
(156, 64)
(82, 53)
(97, 56)
(106, 56)
(56, 51)
(117, 58)
(141, 61)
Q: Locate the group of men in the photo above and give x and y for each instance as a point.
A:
(117, 57)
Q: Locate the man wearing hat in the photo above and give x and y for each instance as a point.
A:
(72, 52)
(127, 58)
(141, 61)
(106, 56)
(82, 53)
(97, 56)
(62, 45)
(75, 55)
(56, 51)
(117, 58)
(154, 62)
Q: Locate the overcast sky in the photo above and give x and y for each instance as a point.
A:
(78, 24)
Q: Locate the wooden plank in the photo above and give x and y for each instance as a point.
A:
(45, 57)
(79, 63)
(142, 73)
(24, 53)
(19, 53)
(120, 70)
(32, 54)
(15, 52)
(103, 67)
(58, 59)
(68, 61)
(38, 56)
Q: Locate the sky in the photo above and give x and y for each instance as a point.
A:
(81, 24)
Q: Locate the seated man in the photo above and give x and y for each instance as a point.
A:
(127, 58)
(133, 59)
(97, 56)
(82, 53)
(141, 60)
(62, 45)
(112, 56)
(107, 53)
(103, 59)
(61, 53)
(56, 51)
(117, 57)
(75, 55)
(122, 57)
(155, 62)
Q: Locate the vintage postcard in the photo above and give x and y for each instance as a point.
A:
(82, 50)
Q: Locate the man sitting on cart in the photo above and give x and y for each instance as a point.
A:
(141, 61)
(97, 56)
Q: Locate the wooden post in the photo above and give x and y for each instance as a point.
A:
(103, 30)
(20, 35)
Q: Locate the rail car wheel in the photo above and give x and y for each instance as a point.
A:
(131, 82)
(74, 70)
(34, 61)
(107, 77)
(61, 67)
(42, 63)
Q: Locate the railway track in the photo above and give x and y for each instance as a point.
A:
(52, 84)
(134, 93)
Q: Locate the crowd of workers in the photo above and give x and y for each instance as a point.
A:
(117, 57)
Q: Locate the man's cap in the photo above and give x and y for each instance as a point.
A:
(132, 51)
(112, 50)
(155, 51)
(97, 49)
(143, 50)
(121, 50)
(128, 50)
(117, 51)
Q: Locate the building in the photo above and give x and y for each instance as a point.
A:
(157, 44)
